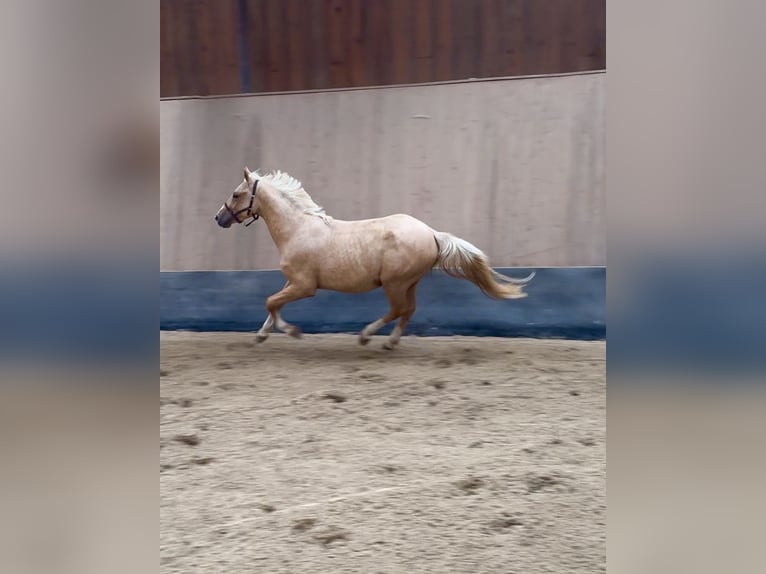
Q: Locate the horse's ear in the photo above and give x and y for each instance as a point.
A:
(247, 174)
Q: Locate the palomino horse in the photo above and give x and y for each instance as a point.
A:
(320, 252)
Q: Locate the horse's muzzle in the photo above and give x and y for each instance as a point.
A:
(224, 221)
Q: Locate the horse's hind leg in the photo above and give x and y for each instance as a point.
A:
(291, 292)
(396, 334)
(397, 299)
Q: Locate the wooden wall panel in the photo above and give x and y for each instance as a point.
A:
(380, 65)
(256, 45)
(356, 47)
(292, 45)
(199, 53)
(168, 51)
(423, 42)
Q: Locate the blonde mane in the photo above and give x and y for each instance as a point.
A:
(292, 190)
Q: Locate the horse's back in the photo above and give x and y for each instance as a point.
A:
(399, 226)
(394, 218)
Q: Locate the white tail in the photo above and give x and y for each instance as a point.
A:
(459, 258)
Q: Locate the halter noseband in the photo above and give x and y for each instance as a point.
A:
(248, 210)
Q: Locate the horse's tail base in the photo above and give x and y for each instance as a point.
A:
(461, 259)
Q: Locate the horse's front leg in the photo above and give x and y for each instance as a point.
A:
(265, 329)
(291, 292)
(268, 325)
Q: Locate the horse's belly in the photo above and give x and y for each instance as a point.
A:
(346, 283)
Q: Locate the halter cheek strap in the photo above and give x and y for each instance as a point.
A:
(247, 210)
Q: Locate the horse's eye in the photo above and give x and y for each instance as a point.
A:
(235, 196)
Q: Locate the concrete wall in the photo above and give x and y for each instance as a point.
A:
(515, 166)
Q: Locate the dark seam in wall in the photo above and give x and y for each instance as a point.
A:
(244, 63)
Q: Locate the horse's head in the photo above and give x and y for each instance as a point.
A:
(242, 204)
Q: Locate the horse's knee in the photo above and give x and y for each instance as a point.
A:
(272, 304)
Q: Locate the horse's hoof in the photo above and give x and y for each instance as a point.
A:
(261, 338)
(388, 346)
(295, 332)
(363, 340)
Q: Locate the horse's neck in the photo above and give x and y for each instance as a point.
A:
(281, 217)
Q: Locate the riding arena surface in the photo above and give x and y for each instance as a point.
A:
(446, 455)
